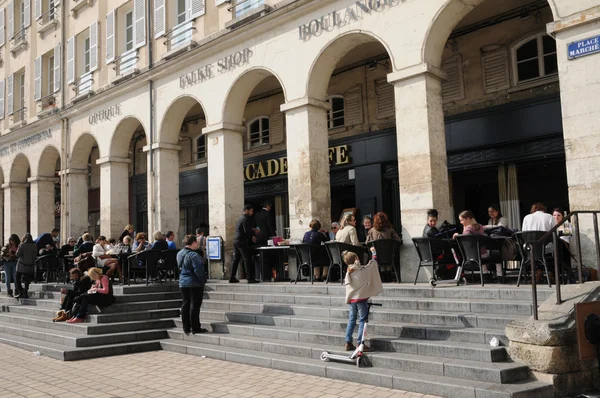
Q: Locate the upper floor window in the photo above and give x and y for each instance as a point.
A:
(335, 117)
(125, 32)
(129, 31)
(18, 18)
(168, 15)
(87, 55)
(242, 7)
(201, 147)
(534, 58)
(82, 58)
(258, 132)
(183, 9)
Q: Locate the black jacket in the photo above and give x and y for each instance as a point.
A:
(264, 220)
(86, 247)
(243, 231)
(82, 285)
(160, 245)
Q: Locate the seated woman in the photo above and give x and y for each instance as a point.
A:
(140, 243)
(496, 218)
(104, 260)
(67, 249)
(348, 232)
(316, 236)
(101, 294)
(430, 230)
(81, 284)
(565, 233)
(159, 241)
(382, 229)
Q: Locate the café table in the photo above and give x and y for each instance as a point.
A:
(281, 253)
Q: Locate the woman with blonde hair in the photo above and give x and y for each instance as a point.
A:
(128, 231)
(348, 232)
(100, 294)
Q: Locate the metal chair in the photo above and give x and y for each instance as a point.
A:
(335, 250)
(429, 251)
(48, 263)
(149, 258)
(307, 255)
(531, 236)
(470, 249)
(386, 254)
(169, 264)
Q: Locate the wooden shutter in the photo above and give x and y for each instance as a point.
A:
(2, 83)
(10, 9)
(385, 99)
(276, 130)
(196, 8)
(38, 9)
(139, 23)
(71, 60)
(353, 112)
(37, 79)
(185, 156)
(94, 46)
(27, 13)
(160, 18)
(110, 36)
(57, 62)
(9, 94)
(453, 88)
(494, 66)
(2, 29)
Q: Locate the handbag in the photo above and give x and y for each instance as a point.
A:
(85, 261)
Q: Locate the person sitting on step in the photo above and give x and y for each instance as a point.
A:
(101, 294)
(81, 284)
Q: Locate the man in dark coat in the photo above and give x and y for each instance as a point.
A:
(243, 240)
(265, 224)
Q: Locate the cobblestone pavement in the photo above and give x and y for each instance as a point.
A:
(165, 374)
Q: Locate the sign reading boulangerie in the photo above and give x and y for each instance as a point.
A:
(341, 18)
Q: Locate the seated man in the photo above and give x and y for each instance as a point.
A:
(104, 260)
(81, 284)
(87, 245)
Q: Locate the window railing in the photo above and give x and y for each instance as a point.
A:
(20, 36)
(19, 115)
(125, 64)
(180, 35)
(84, 84)
(241, 7)
(49, 16)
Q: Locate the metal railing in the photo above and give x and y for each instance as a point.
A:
(180, 35)
(48, 16)
(126, 62)
(241, 7)
(19, 36)
(84, 83)
(533, 247)
(19, 115)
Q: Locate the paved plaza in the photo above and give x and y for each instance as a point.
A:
(162, 374)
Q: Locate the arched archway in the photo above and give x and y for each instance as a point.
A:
(45, 193)
(17, 197)
(83, 194)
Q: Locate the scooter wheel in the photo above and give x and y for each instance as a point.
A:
(432, 282)
(324, 356)
(358, 360)
(463, 282)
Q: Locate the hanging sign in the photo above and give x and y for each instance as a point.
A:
(584, 47)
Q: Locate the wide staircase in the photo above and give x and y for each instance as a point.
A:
(426, 340)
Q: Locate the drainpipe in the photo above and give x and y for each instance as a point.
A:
(64, 137)
(150, 140)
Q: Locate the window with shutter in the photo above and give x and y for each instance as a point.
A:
(2, 30)
(139, 15)
(57, 76)
(160, 18)
(453, 88)
(353, 107)
(185, 153)
(110, 36)
(2, 84)
(38, 9)
(276, 129)
(336, 116)
(71, 60)
(385, 99)
(94, 46)
(26, 21)
(494, 66)
(196, 8)
(10, 10)
(37, 80)
(9, 94)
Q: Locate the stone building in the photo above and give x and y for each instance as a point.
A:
(170, 115)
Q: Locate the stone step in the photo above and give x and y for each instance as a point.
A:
(65, 353)
(439, 348)
(115, 308)
(483, 321)
(492, 292)
(492, 372)
(85, 328)
(142, 288)
(408, 381)
(80, 340)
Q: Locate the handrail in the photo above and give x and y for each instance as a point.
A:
(20, 35)
(49, 15)
(552, 233)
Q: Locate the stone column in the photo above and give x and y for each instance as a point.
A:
(42, 204)
(422, 165)
(225, 149)
(308, 164)
(114, 195)
(163, 189)
(15, 208)
(2, 218)
(76, 211)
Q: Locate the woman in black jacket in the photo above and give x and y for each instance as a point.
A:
(26, 254)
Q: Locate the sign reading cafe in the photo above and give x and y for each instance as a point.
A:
(223, 65)
(341, 18)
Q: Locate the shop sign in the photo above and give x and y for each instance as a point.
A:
(341, 18)
(25, 142)
(338, 155)
(105, 114)
(585, 47)
(223, 65)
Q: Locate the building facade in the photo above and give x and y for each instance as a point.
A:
(172, 114)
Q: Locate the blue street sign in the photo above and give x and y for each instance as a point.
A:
(584, 47)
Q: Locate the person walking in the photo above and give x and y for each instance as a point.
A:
(26, 253)
(191, 284)
(243, 239)
(9, 255)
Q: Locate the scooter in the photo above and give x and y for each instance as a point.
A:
(357, 356)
